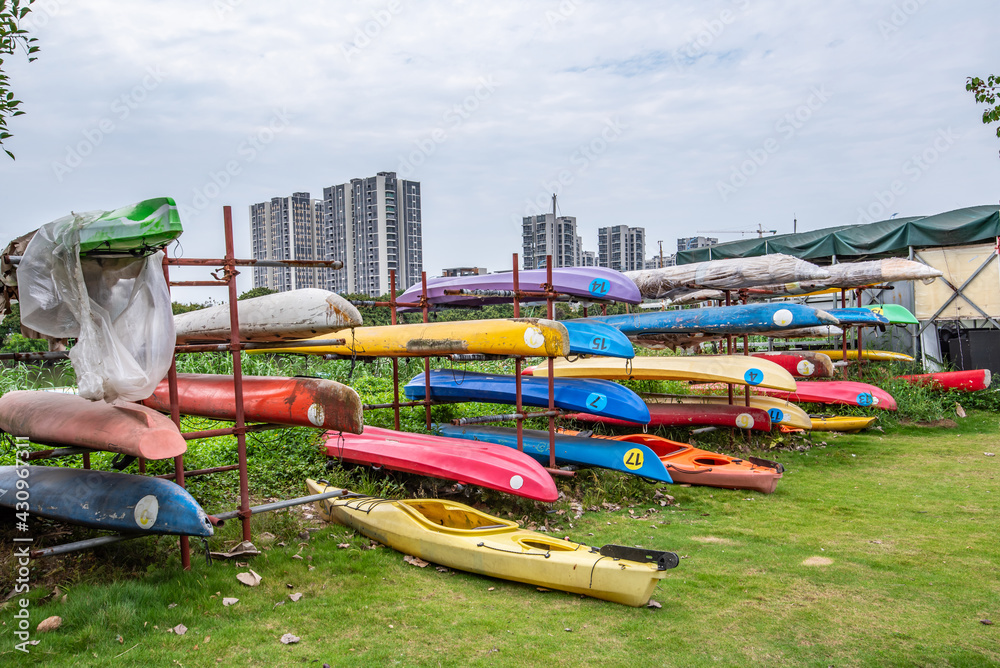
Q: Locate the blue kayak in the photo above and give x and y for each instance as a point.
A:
(105, 500)
(740, 319)
(594, 338)
(586, 395)
(858, 317)
(623, 456)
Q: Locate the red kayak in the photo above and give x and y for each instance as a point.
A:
(966, 381)
(51, 418)
(297, 402)
(846, 392)
(801, 363)
(469, 462)
(690, 465)
(691, 415)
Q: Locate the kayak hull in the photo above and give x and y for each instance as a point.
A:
(457, 536)
(736, 369)
(134, 504)
(966, 381)
(844, 392)
(528, 337)
(590, 338)
(780, 411)
(694, 466)
(296, 402)
(844, 423)
(484, 464)
(739, 319)
(600, 397)
(692, 415)
(591, 284)
(801, 364)
(873, 355)
(637, 460)
(56, 419)
(284, 316)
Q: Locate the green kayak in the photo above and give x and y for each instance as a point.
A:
(897, 315)
(138, 229)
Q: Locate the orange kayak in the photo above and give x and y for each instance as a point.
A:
(694, 466)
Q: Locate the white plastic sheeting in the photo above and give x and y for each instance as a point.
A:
(731, 274)
(117, 309)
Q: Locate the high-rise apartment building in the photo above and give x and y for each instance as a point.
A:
(621, 247)
(373, 225)
(547, 234)
(289, 228)
(688, 243)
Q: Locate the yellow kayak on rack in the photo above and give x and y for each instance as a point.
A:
(736, 369)
(528, 337)
(874, 355)
(780, 411)
(846, 423)
(455, 535)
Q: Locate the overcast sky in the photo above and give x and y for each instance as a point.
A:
(680, 117)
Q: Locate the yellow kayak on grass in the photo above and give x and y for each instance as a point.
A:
(528, 337)
(874, 355)
(455, 535)
(736, 369)
(845, 423)
(780, 411)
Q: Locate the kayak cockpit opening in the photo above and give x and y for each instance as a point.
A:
(453, 516)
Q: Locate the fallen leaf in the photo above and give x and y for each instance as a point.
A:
(250, 579)
(172, 605)
(49, 624)
(959, 411)
(986, 622)
(491, 589)
(295, 597)
(416, 561)
(296, 556)
(542, 589)
(121, 641)
(288, 639)
(277, 604)
(244, 549)
(180, 629)
(654, 604)
(226, 602)
(988, 454)
(441, 569)
(312, 568)
(343, 546)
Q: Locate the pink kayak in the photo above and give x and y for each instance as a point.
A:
(474, 463)
(847, 392)
(51, 418)
(966, 381)
(691, 415)
(801, 364)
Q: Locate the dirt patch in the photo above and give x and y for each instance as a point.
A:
(944, 423)
(817, 561)
(713, 539)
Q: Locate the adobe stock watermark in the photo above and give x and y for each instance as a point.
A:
(900, 15)
(225, 7)
(365, 33)
(562, 13)
(707, 33)
(246, 152)
(785, 128)
(21, 495)
(452, 119)
(913, 169)
(581, 160)
(121, 108)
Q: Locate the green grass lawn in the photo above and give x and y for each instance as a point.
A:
(877, 549)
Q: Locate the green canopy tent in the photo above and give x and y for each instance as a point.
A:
(854, 243)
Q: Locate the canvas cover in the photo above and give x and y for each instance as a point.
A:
(857, 242)
(958, 263)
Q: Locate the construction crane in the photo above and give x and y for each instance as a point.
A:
(760, 231)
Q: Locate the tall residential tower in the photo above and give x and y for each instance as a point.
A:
(288, 228)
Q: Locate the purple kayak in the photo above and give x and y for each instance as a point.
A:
(592, 284)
